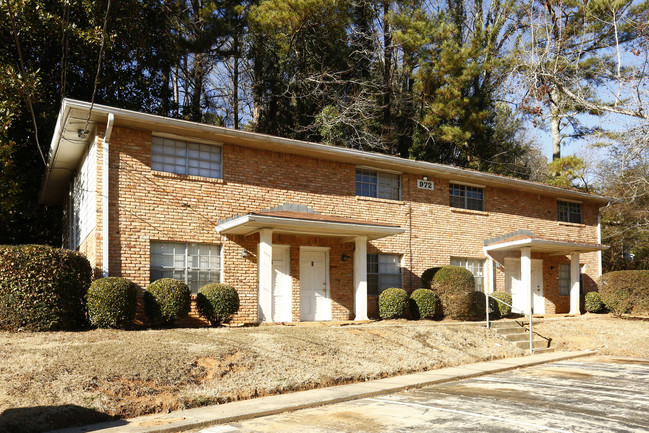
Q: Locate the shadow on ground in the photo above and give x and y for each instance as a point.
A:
(40, 419)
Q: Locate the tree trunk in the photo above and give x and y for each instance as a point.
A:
(555, 120)
(387, 71)
(235, 81)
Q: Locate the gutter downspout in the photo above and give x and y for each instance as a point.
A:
(104, 193)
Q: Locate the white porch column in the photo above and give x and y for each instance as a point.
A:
(526, 276)
(574, 283)
(489, 275)
(360, 278)
(265, 264)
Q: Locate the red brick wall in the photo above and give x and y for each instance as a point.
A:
(146, 206)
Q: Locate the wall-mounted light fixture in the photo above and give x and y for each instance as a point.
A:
(245, 253)
(425, 178)
(345, 257)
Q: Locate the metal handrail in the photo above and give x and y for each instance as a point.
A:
(513, 309)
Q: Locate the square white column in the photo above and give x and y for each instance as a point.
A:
(526, 276)
(489, 275)
(574, 283)
(360, 278)
(265, 264)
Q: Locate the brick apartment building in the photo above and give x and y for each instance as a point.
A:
(306, 231)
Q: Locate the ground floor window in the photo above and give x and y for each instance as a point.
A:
(195, 264)
(476, 266)
(564, 279)
(383, 271)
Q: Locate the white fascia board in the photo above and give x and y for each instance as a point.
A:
(252, 223)
(371, 159)
(530, 242)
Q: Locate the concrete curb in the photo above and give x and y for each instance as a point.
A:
(247, 409)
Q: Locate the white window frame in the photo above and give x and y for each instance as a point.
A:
(569, 212)
(206, 162)
(564, 280)
(380, 176)
(383, 278)
(186, 271)
(477, 268)
(465, 199)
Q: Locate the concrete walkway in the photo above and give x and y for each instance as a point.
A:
(205, 416)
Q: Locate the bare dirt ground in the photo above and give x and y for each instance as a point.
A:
(52, 380)
(610, 335)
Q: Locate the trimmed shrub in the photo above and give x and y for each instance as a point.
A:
(503, 310)
(217, 303)
(478, 311)
(112, 302)
(593, 302)
(42, 288)
(428, 275)
(423, 304)
(454, 285)
(166, 300)
(625, 291)
(393, 303)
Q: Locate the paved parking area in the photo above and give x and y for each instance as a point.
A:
(596, 394)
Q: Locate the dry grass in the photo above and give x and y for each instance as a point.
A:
(610, 335)
(55, 379)
(130, 373)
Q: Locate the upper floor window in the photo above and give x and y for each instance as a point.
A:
(476, 266)
(569, 212)
(370, 183)
(182, 157)
(194, 264)
(466, 197)
(383, 271)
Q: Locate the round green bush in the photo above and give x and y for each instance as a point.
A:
(393, 303)
(166, 300)
(112, 302)
(504, 310)
(428, 275)
(454, 286)
(593, 302)
(423, 304)
(42, 288)
(478, 311)
(217, 303)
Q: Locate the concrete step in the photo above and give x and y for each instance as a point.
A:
(536, 344)
(504, 325)
(544, 350)
(519, 336)
(508, 331)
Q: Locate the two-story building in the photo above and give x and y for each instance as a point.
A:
(306, 231)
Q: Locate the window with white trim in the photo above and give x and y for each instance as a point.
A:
(569, 212)
(182, 157)
(476, 266)
(383, 271)
(564, 279)
(466, 197)
(379, 184)
(194, 264)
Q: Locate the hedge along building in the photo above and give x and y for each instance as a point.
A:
(306, 231)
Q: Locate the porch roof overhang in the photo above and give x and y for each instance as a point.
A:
(302, 223)
(549, 246)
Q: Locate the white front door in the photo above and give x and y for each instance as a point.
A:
(314, 287)
(281, 287)
(538, 301)
(520, 294)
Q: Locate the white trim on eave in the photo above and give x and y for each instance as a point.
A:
(375, 160)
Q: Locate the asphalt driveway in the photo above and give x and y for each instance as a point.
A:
(596, 394)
